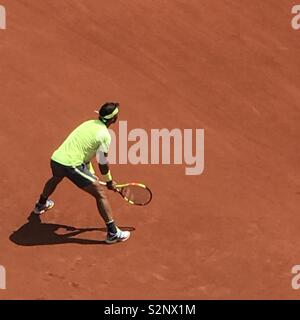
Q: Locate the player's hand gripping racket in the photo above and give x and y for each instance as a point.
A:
(134, 193)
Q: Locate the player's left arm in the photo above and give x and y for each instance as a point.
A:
(102, 159)
(104, 169)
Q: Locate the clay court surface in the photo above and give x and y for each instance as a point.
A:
(229, 67)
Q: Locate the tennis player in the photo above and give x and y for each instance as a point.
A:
(73, 161)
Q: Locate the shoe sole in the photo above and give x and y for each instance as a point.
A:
(43, 211)
(117, 240)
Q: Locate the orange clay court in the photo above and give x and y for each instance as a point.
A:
(228, 67)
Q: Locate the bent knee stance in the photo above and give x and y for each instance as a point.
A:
(96, 190)
(100, 194)
(56, 179)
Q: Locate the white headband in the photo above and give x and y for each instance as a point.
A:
(109, 116)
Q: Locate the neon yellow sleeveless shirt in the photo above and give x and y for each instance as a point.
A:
(82, 144)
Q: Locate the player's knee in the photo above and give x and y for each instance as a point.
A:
(101, 194)
(56, 179)
(98, 191)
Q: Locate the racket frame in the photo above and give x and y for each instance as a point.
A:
(123, 185)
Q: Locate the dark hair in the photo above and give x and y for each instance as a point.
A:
(107, 108)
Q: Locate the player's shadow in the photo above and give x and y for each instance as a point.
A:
(36, 233)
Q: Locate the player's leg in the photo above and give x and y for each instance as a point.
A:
(104, 208)
(50, 187)
(85, 180)
(44, 203)
(114, 234)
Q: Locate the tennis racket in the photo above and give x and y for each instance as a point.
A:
(134, 193)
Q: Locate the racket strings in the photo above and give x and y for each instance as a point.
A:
(136, 194)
